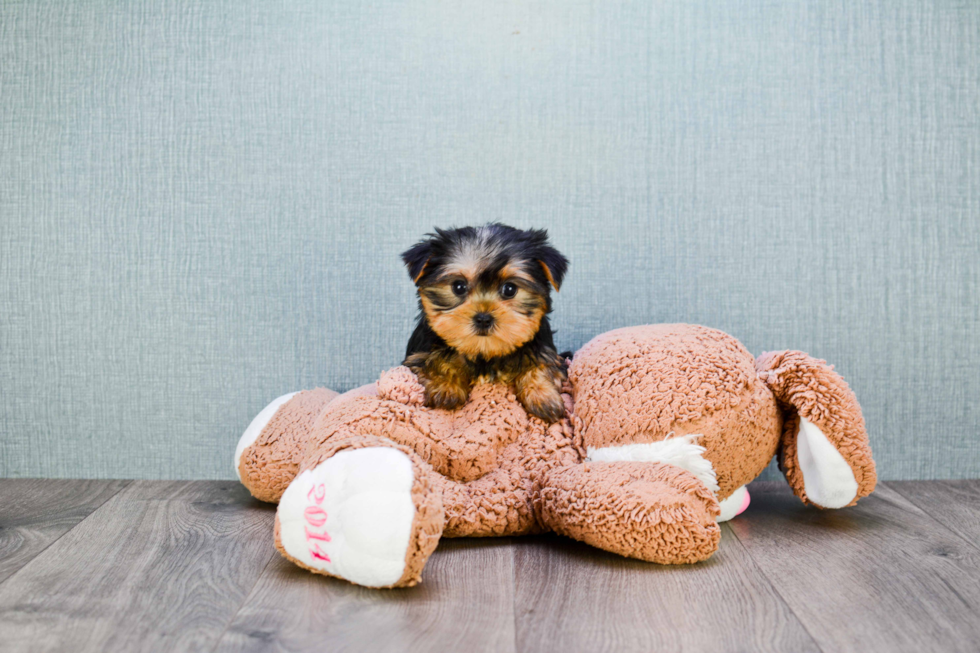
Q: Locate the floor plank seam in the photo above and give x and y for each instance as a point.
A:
(775, 589)
(251, 592)
(928, 514)
(513, 588)
(126, 483)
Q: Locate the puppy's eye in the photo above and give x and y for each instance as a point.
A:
(508, 290)
(459, 288)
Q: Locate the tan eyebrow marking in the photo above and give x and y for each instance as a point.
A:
(515, 271)
(455, 269)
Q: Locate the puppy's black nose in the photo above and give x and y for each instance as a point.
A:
(483, 321)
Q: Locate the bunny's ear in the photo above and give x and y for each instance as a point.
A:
(416, 258)
(824, 450)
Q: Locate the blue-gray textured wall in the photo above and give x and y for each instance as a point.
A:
(202, 203)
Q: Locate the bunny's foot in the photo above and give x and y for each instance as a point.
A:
(367, 515)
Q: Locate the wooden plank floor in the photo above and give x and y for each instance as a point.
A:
(190, 566)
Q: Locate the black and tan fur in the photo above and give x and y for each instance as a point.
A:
(484, 296)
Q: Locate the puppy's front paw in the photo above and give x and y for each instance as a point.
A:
(444, 376)
(444, 394)
(539, 391)
(541, 398)
(549, 410)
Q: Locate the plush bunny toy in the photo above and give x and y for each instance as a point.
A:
(665, 425)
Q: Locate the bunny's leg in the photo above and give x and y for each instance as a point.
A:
(366, 505)
(362, 508)
(269, 452)
(495, 505)
(652, 511)
(824, 450)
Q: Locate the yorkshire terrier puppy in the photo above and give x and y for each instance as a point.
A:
(484, 296)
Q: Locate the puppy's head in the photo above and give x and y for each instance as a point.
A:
(484, 290)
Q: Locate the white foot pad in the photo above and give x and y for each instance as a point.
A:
(827, 478)
(734, 505)
(351, 516)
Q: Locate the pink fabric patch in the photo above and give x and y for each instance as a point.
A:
(745, 503)
(316, 517)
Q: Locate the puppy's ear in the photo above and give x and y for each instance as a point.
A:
(416, 258)
(554, 265)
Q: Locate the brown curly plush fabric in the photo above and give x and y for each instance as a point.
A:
(490, 469)
(654, 512)
(485, 454)
(272, 461)
(809, 387)
(647, 383)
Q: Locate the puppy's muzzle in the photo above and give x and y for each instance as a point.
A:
(483, 323)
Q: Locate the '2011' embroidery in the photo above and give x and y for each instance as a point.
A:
(316, 517)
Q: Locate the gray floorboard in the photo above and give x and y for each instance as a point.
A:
(572, 597)
(954, 504)
(465, 603)
(160, 566)
(190, 566)
(879, 576)
(36, 512)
